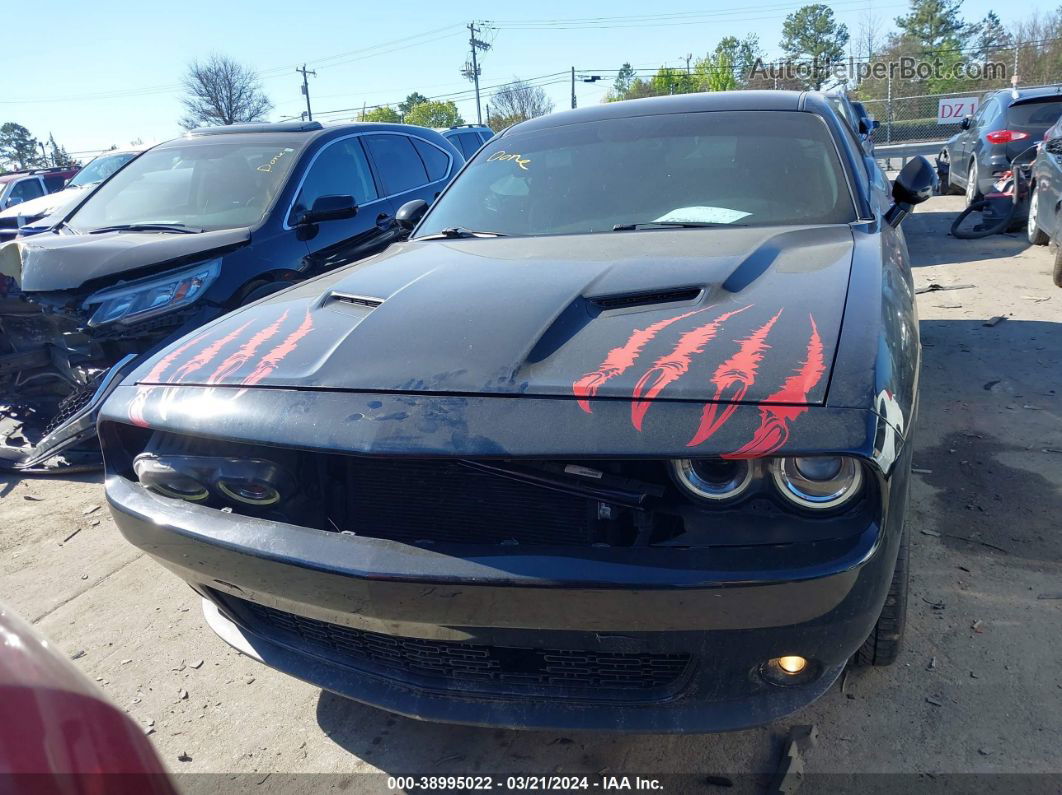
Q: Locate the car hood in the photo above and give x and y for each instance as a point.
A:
(734, 315)
(68, 261)
(43, 205)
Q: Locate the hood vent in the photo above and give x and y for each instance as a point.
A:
(628, 300)
(357, 300)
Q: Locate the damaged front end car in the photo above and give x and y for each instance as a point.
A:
(63, 350)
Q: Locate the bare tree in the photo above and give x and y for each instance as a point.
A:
(222, 91)
(516, 102)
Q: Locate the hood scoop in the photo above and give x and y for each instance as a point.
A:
(653, 298)
(355, 300)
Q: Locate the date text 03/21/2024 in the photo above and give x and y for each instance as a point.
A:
(530, 783)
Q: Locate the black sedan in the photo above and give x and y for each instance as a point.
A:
(619, 439)
(188, 231)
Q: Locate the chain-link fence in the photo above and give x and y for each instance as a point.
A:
(914, 119)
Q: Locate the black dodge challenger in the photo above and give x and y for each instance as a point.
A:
(619, 439)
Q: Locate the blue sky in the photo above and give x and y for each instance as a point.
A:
(112, 75)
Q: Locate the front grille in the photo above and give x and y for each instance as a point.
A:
(556, 672)
(445, 501)
(71, 405)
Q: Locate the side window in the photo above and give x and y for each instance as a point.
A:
(340, 169)
(986, 113)
(54, 183)
(436, 161)
(27, 189)
(397, 163)
(485, 136)
(468, 143)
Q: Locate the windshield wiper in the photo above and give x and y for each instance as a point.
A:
(670, 225)
(453, 232)
(187, 230)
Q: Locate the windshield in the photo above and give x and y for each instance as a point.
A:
(100, 168)
(748, 168)
(202, 183)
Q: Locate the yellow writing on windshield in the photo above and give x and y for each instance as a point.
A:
(267, 167)
(520, 160)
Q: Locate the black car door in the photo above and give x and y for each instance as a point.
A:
(342, 168)
(408, 167)
(1047, 173)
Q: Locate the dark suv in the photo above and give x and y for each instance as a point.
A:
(186, 232)
(1006, 124)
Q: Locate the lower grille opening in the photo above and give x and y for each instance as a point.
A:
(556, 673)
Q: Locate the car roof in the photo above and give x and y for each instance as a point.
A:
(680, 103)
(248, 133)
(1026, 94)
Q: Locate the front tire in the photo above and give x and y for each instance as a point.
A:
(882, 646)
(1036, 235)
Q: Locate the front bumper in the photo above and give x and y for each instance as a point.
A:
(310, 602)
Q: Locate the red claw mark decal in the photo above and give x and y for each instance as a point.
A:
(205, 356)
(620, 359)
(246, 351)
(774, 419)
(272, 359)
(668, 369)
(136, 405)
(732, 380)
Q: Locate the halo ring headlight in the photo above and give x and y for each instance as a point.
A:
(820, 482)
(249, 492)
(712, 479)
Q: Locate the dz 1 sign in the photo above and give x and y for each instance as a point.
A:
(953, 110)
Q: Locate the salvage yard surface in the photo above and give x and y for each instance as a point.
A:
(978, 687)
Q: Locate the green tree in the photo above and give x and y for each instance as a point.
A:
(18, 148)
(410, 102)
(384, 114)
(668, 80)
(742, 54)
(622, 84)
(58, 154)
(434, 114)
(812, 35)
(715, 73)
(935, 24)
(991, 37)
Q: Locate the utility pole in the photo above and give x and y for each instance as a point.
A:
(573, 88)
(585, 79)
(471, 70)
(689, 57)
(306, 89)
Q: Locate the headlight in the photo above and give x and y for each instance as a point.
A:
(251, 481)
(818, 482)
(714, 479)
(140, 300)
(161, 477)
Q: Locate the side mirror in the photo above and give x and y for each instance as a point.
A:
(915, 183)
(874, 124)
(410, 213)
(965, 123)
(333, 207)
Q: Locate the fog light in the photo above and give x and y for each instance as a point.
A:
(789, 670)
(792, 664)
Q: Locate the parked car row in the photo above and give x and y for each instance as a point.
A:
(184, 233)
(17, 187)
(1006, 124)
(28, 217)
(619, 438)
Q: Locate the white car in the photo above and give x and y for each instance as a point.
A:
(96, 171)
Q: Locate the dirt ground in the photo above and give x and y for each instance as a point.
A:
(978, 687)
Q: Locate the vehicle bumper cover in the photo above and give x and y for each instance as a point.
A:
(728, 619)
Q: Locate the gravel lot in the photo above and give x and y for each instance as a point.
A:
(978, 687)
